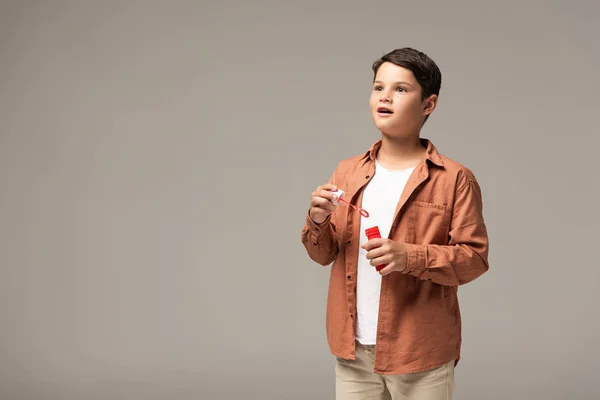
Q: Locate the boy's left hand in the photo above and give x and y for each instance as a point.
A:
(386, 251)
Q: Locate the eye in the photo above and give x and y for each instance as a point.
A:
(400, 89)
(377, 88)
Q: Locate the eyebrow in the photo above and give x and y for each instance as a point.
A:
(394, 83)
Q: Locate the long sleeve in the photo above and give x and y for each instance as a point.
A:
(321, 240)
(466, 256)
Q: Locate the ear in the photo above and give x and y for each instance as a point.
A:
(429, 104)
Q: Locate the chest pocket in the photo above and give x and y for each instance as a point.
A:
(427, 223)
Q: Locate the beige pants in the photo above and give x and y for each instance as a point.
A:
(355, 380)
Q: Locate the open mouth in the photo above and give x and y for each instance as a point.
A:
(383, 110)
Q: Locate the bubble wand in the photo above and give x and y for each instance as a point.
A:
(373, 232)
(362, 211)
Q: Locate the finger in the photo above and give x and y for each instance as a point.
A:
(321, 203)
(383, 260)
(323, 210)
(326, 194)
(323, 193)
(328, 186)
(374, 243)
(375, 253)
(387, 270)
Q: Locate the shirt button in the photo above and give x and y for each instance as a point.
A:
(349, 277)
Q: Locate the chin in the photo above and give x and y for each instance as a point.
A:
(396, 134)
(388, 128)
(394, 129)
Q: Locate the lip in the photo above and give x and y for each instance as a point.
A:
(381, 113)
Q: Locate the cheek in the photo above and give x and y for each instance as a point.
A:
(417, 106)
(373, 102)
(410, 107)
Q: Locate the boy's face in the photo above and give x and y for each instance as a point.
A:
(396, 105)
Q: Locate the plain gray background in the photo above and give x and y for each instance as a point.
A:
(157, 159)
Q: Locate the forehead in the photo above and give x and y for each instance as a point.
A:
(389, 72)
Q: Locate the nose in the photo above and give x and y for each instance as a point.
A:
(384, 97)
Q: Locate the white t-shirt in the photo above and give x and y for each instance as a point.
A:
(380, 199)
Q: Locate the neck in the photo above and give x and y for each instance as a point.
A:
(400, 152)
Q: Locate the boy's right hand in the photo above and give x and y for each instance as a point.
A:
(320, 204)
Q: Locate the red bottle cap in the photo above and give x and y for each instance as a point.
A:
(373, 232)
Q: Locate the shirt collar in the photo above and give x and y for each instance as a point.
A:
(431, 153)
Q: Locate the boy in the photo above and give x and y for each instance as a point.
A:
(396, 332)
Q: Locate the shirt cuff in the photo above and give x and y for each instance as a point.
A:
(317, 227)
(316, 230)
(416, 262)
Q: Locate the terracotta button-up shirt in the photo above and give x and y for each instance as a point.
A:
(439, 218)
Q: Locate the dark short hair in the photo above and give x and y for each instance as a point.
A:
(423, 68)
